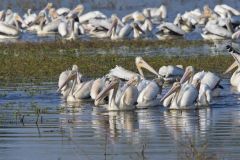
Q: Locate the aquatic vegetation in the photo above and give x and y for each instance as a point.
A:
(191, 150)
(37, 62)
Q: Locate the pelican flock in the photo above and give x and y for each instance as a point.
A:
(121, 89)
(220, 22)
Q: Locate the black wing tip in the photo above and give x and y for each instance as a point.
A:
(229, 48)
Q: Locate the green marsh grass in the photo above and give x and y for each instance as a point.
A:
(37, 62)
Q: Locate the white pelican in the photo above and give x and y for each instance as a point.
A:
(91, 15)
(135, 16)
(235, 78)
(148, 91)
(9, 17)
(196, 93)
(225, 11)
(68, 28)
(209, 84)
(10, 31)
(97, 87)
(78, 10)
(63, 11)
(79, 90)
(156, 13)
(231, 9)
(29, 17)
(62, 79)
(184, 24)
(49, 28)
(119, 31)
(119, 99)
(181, 96)
(137, 31)
(213, 30)
(122, 73)
(211, 80)
(169, 30)
(171, 73)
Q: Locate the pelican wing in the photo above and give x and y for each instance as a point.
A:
(52, 26)
(8, 29)
(188, 96)
(62, 29)
(125, 31)
(210, 79)
(218, 30)
(130, 96)
(122, 73)
(149, 93)
(97, 86)
(231, 9)
(91, 15)
(83, 91)
(199, 75)
(204, 97)
(62, 78)
(62, 11)
(172, 27)
(105, 23)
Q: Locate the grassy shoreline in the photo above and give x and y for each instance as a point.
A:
(47, 68)
(38, 62)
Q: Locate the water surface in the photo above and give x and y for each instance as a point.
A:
(83, 131)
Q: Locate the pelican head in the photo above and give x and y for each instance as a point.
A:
(189, 71)
(53, 13)
(72, 75)
(48, 6)
(176, 87)
(78, 9)
(113, 84)
(140, 63)
(207, 12)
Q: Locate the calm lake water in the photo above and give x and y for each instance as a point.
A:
(83, 131)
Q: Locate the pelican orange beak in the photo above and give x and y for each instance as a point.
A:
(187, 74)
(176, 86)
(113, 84)
(230, 68)
(140, 63)
(71, 76)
